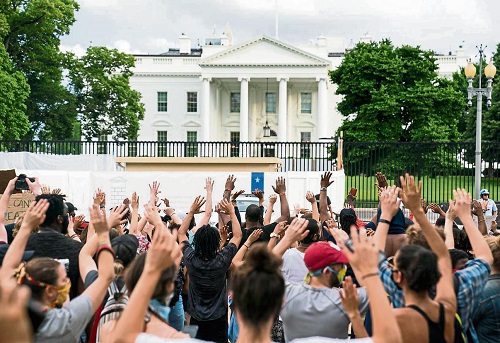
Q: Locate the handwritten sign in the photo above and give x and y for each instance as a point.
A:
(18, 204)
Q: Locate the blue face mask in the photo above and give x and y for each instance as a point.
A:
(160, 309)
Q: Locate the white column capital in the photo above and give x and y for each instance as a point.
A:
(283, 78)
(321, 78)
(243, 78)
(205, 78)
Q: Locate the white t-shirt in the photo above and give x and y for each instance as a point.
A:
(294, 269)
(147, 338)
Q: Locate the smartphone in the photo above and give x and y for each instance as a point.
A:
(381, 255)
(353, 191)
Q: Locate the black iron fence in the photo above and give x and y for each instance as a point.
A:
(441, 166)
(294, 156)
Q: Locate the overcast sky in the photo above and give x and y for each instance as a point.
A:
(153, 26)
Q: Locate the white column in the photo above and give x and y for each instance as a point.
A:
(322, 122)
(282, 106)
(244, 108)
(205, 108)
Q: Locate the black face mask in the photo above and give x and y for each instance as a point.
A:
(65, 224)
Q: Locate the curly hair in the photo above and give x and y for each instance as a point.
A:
(56, 207)
(206, 242)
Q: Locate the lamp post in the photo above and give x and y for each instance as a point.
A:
(470, 72)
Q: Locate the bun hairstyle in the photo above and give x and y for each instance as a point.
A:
(258, 287)
(419, 266)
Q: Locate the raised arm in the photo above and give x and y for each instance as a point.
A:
(228, 187)
(105, 258)
(240, 255)
(4, 204)
(448, 228)
(477, 210)
(280, 189)
(296, 232)
(209, 186)
(34, 216)
(312, 200)
(462, 205)
(235, 224)
(411, 195)
(269, 210)
(154, 190)
(86, 261)
(163, 253)
(389, 205)
(134, 216)
(323, 207)
(195, 207)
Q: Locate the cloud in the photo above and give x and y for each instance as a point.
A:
(77, 49)
(123, 45)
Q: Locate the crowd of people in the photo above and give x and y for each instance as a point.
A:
(150, 273)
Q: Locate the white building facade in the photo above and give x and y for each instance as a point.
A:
(222, 92)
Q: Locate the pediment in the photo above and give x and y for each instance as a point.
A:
(264, 51)
(161, 123)
(191, 123)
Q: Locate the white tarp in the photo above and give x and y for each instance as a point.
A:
(31, 161)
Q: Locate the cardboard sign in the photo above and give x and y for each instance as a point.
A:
(5, 177)
(18, 204)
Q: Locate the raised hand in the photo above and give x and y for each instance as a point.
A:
(151, 214)
(35, 215)
(462, 205)
(34, 187)
(98, 220)
(126, 201)
(296, 208)
(196, 205)
(297, 230)
(424, 205)
(477, 209)
(389, 202)
(310, 197)
(280, 185)
(56, 191)
(411, 193)
(235, 195)
(224, 233)
(116, 216)
(154, 189)
(164, 251)
(209, 184)
(273, 198)
(99, 197)
(381, 181)
(226, 206)
(229, 185)
(436, 209)
(78, 221)
(45, 189)
(280, 228)
(325, 179)
(166, 202)
(349, 297)
(254, 236)
(259, 194)
(135, 201)
(364, 258)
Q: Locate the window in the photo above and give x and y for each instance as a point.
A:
(235, 103)
(162, 101)
(235, 143)
(305, 102)
(305, 147)
(192, 102)
(102, 145)
(270, 102)
(191, 144)
(132, 149)
(162, 143)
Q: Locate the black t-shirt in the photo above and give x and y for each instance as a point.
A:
(267, 230)
(207, 298)
(56, 245)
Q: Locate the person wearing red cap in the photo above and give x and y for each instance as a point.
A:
(318, 296)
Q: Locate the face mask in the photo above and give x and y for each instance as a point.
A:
(162, 310)
(62, 295)
(65, 224)
(341, 274)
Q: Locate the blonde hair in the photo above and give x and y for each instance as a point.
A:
(17, 226)
(494, 244)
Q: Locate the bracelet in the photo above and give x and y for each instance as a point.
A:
(246, 246)
(481, 220)
(73, 236)
(105, 247)
(385, 221)
(227, 190)
(369, 275)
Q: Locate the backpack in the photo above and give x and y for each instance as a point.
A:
(113, 307)
(460, 337)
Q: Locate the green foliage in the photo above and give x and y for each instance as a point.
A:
(107, 105)
(31, 36)
(395, 94)
(14, 90)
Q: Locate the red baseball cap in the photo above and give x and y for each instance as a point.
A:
(322, 254)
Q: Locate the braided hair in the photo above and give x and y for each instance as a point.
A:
(206, 242)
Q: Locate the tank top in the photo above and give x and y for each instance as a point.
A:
(436, 330)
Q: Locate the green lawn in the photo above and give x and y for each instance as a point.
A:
(439, 189)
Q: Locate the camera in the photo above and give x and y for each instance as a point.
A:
(21, 184)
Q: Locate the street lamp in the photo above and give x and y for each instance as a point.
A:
(470, 72)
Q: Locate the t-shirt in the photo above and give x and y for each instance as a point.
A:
(67, 323)
(207, 298)
(294, 269)
(266, 232)
(319, 311)
(147, 338)
(56, 245)
(324, 339)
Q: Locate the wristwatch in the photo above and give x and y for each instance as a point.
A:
(322, 189)
(272, 235)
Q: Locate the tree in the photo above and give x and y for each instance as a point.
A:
(395, 94)
(32, 39)
(107, 105)
(14, 90)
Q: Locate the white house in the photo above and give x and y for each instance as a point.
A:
(226, 92)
